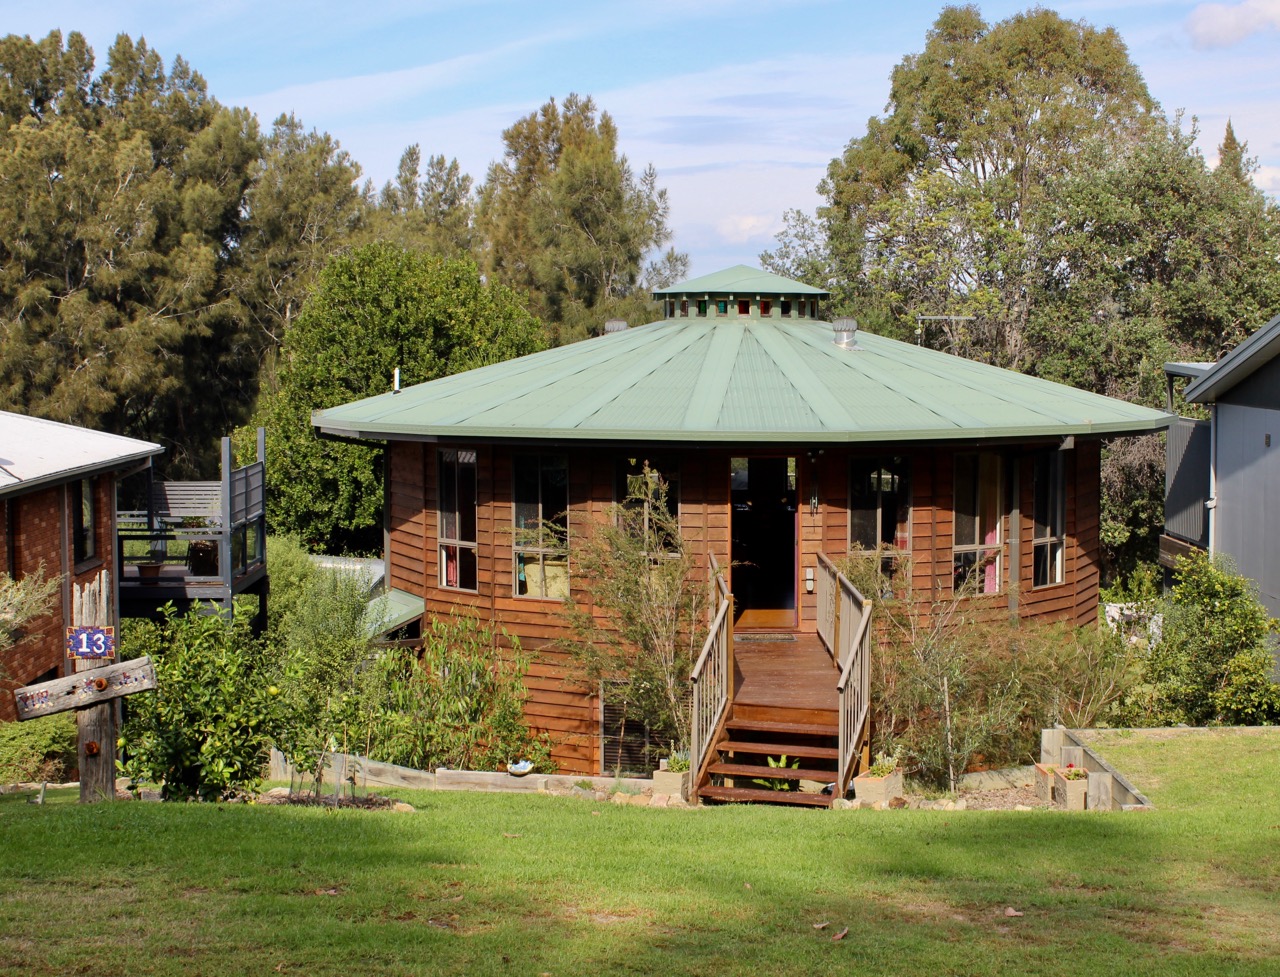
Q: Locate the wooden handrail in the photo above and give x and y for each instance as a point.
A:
(846, 634)
(712, 677)
(709, 644)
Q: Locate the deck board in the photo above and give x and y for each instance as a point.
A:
(797, 674)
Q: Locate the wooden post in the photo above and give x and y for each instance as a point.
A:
(97, 723)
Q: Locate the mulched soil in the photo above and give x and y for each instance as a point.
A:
(1003, 799)
(371, 802)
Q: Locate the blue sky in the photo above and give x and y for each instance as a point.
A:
(740, 105)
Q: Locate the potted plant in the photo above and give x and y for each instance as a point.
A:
(672, 776)
(1070, 787)
(881, 782)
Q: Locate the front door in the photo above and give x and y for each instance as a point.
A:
(763, 533)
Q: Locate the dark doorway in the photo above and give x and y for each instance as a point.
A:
(763, 531)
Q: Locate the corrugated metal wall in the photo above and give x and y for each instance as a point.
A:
(1248, 512)
(1186, 481)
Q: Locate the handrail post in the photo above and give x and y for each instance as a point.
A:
(224, 529)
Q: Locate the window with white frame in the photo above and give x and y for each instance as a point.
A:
(541, 495)
(458, 519)
(1049, 532)
(976, 545)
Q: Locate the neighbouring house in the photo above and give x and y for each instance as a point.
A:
(1222, 482)
(785, 440)
(58, 490)
(197, 542)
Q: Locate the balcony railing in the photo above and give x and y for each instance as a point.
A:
(198, 534)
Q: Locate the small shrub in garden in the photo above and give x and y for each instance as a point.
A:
(206, 731)
(38, 749)
(957, 679)
(322, 644)
(455, 703)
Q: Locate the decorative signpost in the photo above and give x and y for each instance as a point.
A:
(85, 689)
(93, 690)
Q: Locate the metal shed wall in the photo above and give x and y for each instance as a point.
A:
(1248, 511)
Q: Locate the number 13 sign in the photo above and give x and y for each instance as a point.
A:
(91, 642)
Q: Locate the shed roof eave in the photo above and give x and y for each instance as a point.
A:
(1241, 363)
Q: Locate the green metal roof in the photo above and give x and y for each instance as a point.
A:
(736, 380)
(741, 281)
(391, 610)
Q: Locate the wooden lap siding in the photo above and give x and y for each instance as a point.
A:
(569, 712)
(41, 522)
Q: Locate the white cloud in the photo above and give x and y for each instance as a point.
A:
(743, 228)
(1222, 25)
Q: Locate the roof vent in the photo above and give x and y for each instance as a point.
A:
(615, 325)
(846, 333)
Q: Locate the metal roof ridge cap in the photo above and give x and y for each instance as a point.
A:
(538, 378)
(873, 371)
(973, 373)
(529, 365)
(725, 341)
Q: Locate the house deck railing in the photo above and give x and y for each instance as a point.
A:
(712, 676)
(199, 533)
(844, 628)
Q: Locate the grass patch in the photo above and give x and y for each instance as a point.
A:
(517, 884)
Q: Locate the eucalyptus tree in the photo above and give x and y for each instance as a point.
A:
(939, 207)
(564, 218)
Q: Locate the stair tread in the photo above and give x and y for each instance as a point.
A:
(769, 796)
(777, 749)
(770, 773)
(796, 729)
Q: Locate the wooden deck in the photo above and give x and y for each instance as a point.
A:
(795, 674)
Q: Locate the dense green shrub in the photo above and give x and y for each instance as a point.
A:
(38, 749)
(1212, 662)
(291, 568)
(457, 702)
(206, 732)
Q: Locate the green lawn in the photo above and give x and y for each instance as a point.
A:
(509, 884)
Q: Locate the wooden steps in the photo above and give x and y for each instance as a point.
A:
(792, 750)
(757, 772)
(751, 795)
(753, 737)
(785, 728)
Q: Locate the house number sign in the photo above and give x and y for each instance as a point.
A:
(91, 642)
